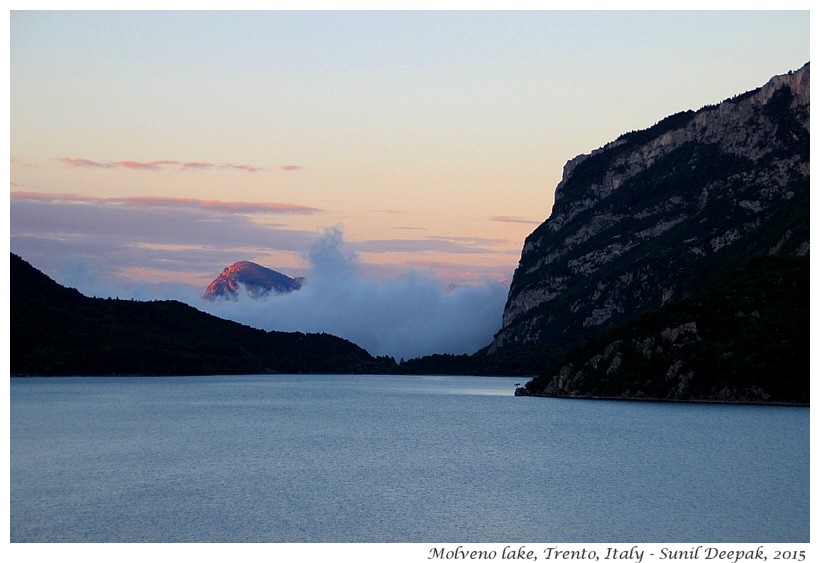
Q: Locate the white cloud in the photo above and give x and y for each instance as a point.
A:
(404, 317)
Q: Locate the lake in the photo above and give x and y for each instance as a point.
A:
(347, 458)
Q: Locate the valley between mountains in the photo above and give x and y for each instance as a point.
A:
(674, 266)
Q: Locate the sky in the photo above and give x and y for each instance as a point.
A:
(396, 159)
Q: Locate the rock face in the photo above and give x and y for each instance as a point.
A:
(661, 214)
(257, 280)
(744, 340)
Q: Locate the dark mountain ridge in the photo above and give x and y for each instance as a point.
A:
(58, 331)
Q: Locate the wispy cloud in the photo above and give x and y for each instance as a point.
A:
(140, 165)
(447, 245)
(514, 219)
(155, 165)
(48, 197)
(84, 163)
(197, 165)
(190, 237)
(250, 207)
(292, 168)
(238, 207)
(245, 167)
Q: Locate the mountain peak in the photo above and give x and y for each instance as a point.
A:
(257, 280)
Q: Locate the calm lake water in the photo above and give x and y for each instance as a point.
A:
(393, 459)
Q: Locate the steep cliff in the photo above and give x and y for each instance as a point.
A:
(663, 214)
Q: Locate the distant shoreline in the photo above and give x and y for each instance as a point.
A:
(686, 401)
(570, 397)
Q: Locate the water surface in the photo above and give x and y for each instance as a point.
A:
(300, 458)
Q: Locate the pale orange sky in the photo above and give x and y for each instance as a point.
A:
(431, 138)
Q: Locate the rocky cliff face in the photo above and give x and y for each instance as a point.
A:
(660, 214)
(744, 340)
(257, 280)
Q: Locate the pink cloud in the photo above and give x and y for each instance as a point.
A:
(245, 167)
(159, 164)
(222, 206)
(196, 165)
(84, 163)
(37, 196)
(137, 165)
(240, 207)
(292, 168)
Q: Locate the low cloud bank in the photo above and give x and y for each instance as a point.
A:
(403, 317)
(407, 316)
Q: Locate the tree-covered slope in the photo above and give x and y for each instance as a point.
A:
(58, 331)
(744, 340)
